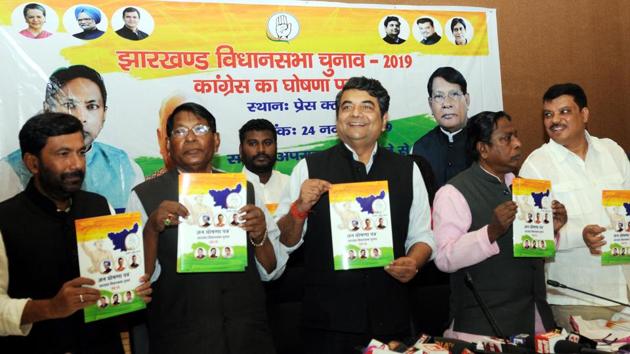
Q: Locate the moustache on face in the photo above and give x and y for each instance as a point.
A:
(262, 154)
(74, 174)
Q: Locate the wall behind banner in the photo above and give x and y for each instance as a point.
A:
(544, 42)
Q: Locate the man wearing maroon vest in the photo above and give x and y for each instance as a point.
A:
(343, 310)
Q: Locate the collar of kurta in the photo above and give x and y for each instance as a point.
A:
(564, 153)
(489, 177)
(451, 136)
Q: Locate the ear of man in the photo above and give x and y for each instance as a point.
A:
(585, 114)
(217, 142)
(482, 148)
(31, 162)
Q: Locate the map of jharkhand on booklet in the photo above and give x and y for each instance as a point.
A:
(111, 253)
(361, 225)
(617, 234)
(210, 239)
(533, 234)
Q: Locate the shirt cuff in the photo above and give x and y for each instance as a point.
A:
(290, 249)
(488, 248)
(156, 272)
(13, 318)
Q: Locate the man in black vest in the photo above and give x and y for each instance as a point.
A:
(203, 312)
(472, 219)
(343, 310)
(39, 308)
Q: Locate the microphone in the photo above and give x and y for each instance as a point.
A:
(582, 340)
(484, 308)
(560, 285)
(568, 347)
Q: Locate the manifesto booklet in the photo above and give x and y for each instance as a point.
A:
(210, 239)
(111, 253)
(533, 227)
(361, 225)
(617, 234)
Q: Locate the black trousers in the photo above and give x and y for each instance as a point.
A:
(228, 317)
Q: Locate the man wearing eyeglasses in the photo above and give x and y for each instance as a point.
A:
(88, 18)
(194, 312)
(343, 310)
(445, 146)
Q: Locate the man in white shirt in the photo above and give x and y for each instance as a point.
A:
(579, 166)
(258, 150)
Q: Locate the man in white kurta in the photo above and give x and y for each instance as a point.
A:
(579, 166)
(258, 151)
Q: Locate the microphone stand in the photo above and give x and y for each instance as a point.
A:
(484, 308)
(560, 285)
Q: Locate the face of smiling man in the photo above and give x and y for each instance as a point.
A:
(565, 122)
(392, 29)
(426, 29)
(86, 22)
(131, 18)
(359, 121)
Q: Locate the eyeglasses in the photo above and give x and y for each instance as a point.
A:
(198, 130)
(440, 97)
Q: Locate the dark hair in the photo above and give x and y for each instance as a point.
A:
(36, 131)
(425, 20)
(450, 75)
(259, 125)
(480, 128)
(372, 86)
(64, 75)
(455, 21)
(130, 9)
(573, 90)
(194, 108)
(34, 6)
(389, 19)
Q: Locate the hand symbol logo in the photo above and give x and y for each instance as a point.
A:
(283, 28)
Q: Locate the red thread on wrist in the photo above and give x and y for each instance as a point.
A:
(296, 213)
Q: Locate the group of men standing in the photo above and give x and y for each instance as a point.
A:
(473, 161)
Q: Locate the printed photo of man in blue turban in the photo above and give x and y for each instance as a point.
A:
(88, 17)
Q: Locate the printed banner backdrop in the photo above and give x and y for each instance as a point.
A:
(283, 61)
